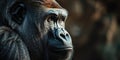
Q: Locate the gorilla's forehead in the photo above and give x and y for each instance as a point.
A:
(42, 1)
(47, 3)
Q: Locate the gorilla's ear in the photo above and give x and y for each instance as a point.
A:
(17, 12)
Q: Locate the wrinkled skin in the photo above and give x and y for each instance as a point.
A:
(33, 30)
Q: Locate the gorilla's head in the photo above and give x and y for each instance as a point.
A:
(41, 25)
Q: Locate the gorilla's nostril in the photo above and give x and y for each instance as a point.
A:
(67, 35)
(63, 36)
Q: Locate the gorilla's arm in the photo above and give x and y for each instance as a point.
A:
(12, 46)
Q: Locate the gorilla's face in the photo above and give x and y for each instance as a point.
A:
(41, 23)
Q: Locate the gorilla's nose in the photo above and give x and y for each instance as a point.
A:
(57, 13)
(63, 35)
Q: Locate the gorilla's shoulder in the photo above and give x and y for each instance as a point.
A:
(7, 34)
(12, 46)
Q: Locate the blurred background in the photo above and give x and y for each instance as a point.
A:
(95, 28)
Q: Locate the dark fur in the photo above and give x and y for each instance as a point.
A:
(31, 37)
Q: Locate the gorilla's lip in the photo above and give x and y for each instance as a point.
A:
(62, 52)
(61, 49)
(69, 48)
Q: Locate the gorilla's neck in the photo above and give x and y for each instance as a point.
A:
(31, 38)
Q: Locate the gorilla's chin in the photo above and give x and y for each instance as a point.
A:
(58, 50)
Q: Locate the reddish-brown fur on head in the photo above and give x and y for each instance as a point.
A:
(48, 3)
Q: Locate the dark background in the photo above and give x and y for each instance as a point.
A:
(95, 28)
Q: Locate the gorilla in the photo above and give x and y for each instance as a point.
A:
(33, 30)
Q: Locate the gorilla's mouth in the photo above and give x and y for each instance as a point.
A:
(61, 51)
(60, 54)
(56, 46)
(57, 50)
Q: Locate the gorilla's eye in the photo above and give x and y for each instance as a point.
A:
(52, 17)
(17, 12)
(63, 18)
